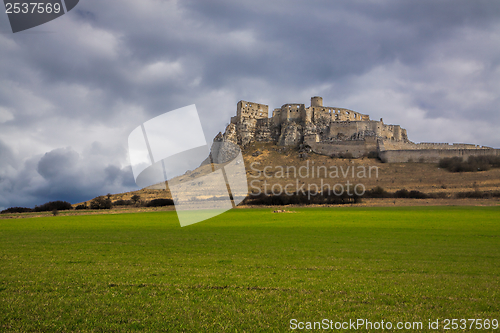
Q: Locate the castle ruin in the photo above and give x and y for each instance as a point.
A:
(336, 131)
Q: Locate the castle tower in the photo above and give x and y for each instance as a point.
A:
(316, 101)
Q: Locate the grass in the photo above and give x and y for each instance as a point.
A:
(248, 270)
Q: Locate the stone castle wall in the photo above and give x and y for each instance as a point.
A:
(353, 148)
(394, 145)
(432, 155)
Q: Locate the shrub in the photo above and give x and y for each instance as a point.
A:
(53, 205)
(491, 160)
(122, 202)
(160, 203)
(302, 198)
(473, 195)
(135, 198)
(16, 210)
(473, 163)
(417, 195)
(100, 203)
(82, 206)
(377, 192)
(402, 194)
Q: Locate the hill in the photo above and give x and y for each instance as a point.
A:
(274, 168)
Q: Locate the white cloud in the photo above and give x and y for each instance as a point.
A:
(157, 72)
(5, 115)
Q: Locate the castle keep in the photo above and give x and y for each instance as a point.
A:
(336, 131)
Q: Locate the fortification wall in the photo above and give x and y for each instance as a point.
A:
(348, 128)
(378, 128)
(335, 114)
(392, 145)
(391, 132)
(431, 155)
(341, 148)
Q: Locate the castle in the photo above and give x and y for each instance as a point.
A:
(336, 131)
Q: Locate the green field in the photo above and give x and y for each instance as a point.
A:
(249, 270)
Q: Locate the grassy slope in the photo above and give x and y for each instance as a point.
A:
(248, 270)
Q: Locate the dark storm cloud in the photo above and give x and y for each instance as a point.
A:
(331, 39)
(86, 79)
(6, 156)
(58, 163)
(62, 174)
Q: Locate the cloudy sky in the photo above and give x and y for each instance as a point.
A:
(72, 90)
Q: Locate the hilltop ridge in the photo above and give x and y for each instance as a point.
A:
(424, 177)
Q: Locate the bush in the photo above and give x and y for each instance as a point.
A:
(82, 206)
(473, 195)
(417, 195)
(302, 198)
(377, 192)
(402, 194)
(123, 203)
(491, 160)
(160, 203)
(135, 198)
(53, 205)
(473, 163)
(16, 210)
(100, 203)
